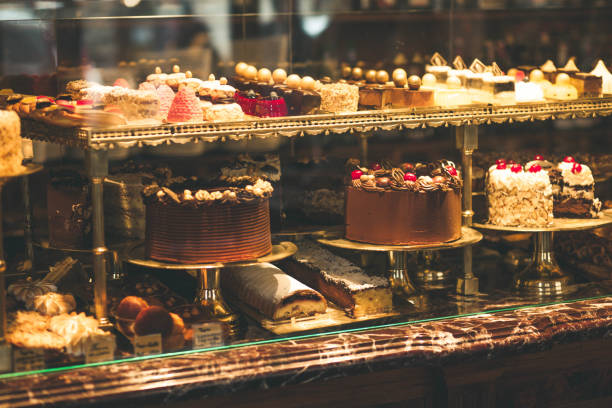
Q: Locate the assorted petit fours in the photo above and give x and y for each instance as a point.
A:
(10, 143)
(562, 90)
(407, 92)
(438, 67)
(601, 71)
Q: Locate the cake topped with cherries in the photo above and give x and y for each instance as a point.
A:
(404, 205)
(518, 196)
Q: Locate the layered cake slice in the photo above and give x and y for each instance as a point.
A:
(574, 190)
(339, 280)
(518, 198)
(272, 292)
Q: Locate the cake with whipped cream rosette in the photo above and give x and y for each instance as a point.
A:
(411, 204)
(573, 188)
(517, 197)
(533, 196)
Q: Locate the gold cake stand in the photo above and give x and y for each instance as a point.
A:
(25, 171)
(543, 276)
(397, 255)
(208, 296)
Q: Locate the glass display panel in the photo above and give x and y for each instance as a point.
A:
(95, 155)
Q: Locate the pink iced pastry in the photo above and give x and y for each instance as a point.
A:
(122, 82)
(185, 107)
(166, 96)
(146, 86)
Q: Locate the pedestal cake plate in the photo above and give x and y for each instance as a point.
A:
(397, 255)
(543, 276)
(25, 171)
(208, 296)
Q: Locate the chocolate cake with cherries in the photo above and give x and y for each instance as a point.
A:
(410, 204)
(188, 221)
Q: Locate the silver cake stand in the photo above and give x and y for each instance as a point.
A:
(25, 171)
(208, 296)
(397, 256)
(543, 276)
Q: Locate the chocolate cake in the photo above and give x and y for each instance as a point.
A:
(415, 204)
(187, 222)
(69, 210)
(339, 280)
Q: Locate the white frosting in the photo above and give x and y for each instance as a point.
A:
(338, 269)
(584, 178)
(519, 199)
(224, 112)
(528, 92)
(601, 70)
(52, 304)
(75, 329)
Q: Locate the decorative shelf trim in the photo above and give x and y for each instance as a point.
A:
(291, 126)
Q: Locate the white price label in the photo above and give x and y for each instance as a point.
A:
(147, 345)
(28, 359)
(207, 335)
(100, 348)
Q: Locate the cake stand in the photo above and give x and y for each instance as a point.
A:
(208, 296)
(397, 255)
(25, 171)
(543, 276)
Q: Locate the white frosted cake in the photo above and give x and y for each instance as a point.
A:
(518, 198)
(10, 143)
(574, 190)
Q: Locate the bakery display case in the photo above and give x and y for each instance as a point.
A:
(231, 200)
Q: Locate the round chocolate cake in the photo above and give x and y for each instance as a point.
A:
(206, 226)
(414, 204)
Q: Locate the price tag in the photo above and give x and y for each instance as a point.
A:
(207, 335)
(6, 360)
(147, 345)
(28, 359)
(100, 348)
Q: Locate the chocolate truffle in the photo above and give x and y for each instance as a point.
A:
(130, 307)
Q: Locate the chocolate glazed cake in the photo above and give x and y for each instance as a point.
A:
(404, 206)
(216, 225)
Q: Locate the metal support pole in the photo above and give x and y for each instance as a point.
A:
(2, 277)
(467, 141)
(28, 264)
(363, 148)
(211, 303)
(543, 276)
(97, 166)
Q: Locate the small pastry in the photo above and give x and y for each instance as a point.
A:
(153, 319)
(27, 291)
(53, 304)
(185, 107)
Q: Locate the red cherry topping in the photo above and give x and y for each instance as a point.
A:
(510, 161)
(356, 174)
(410, 177)
(375, 166)
(538, 157)
(576, 168)
(519, 75)
(535, 168)
(451, 170)
(501, 166)
(500, 161)
(516, 168)
(85, 102)
(569, 159)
